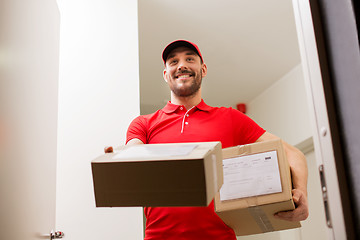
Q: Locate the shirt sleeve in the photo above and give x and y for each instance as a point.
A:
(246, 130)
(137, 129)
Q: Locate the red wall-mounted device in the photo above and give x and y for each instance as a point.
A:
(241, 107)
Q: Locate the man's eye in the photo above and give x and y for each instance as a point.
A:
(173, 62)
(190, 59)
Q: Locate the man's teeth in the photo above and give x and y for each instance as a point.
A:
(184, 76)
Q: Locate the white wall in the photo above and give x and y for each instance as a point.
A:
(282, 109)
(98, 97)
(29, 63)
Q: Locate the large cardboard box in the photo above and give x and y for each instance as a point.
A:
(257, 184)
(182, 174)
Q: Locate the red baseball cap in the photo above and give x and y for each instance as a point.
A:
(180, 43)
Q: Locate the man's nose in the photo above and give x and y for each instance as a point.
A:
(182, 65)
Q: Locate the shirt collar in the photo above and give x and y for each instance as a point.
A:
(170, 107)
(203, 106)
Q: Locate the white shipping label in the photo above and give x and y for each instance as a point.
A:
(155, 151)
(251, 175)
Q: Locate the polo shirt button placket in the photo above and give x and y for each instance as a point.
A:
(186, 115)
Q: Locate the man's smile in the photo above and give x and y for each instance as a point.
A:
(184, 75)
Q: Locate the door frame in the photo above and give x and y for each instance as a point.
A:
(328, 64)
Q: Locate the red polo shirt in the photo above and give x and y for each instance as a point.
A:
(202, 123)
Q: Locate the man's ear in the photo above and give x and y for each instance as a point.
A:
(204, 70)
(164, 75)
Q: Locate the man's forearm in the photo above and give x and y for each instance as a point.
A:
(134, 141)
(298, 167)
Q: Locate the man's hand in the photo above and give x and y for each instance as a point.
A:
(108, 149)
(301, 212)
(134, 141)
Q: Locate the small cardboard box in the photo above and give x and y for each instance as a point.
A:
(182, 174)
(257, 184)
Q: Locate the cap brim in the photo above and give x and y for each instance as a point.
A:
(180, 43)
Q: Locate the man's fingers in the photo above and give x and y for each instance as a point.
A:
(301, 211)
(108, 149)
(296, 196)
(295, 215)
(285, 215)
(299, 214)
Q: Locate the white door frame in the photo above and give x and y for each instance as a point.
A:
(322, 134)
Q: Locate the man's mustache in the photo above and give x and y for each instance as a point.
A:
(184, 72)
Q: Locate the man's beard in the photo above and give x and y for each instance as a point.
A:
(190, 90)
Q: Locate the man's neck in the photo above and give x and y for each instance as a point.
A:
(188, 102)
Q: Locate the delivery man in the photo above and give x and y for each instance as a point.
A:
(187, 118)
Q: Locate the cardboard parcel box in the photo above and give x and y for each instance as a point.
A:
(182, 174)
(257, 184)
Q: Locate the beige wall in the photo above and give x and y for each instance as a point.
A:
(282, 109)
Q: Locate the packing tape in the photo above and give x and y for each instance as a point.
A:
(245, 149)
(252, 201)
(261, 219)
(214, 165)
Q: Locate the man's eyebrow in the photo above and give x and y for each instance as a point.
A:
(171, 56)
(191, 53)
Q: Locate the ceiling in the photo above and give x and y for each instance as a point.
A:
(247, 45)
